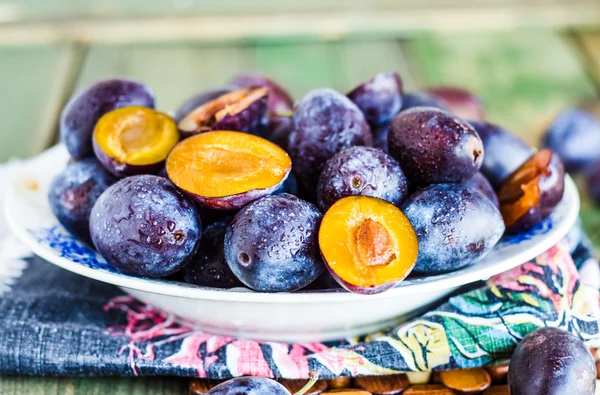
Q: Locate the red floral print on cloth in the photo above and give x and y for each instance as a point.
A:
(471, 329)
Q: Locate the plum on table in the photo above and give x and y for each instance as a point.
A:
(551, 361)
(73, 193)
(144, 226)
(575, 136)
(84, 109)
(259, 386)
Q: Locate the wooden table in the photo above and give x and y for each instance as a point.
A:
(526, 59)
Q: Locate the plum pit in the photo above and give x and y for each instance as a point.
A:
(367, 243)
(374, 244)
(129, 140)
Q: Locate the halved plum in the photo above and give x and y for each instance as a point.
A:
(134, 140)
(242, 110)
(225, 170)
(368, 244)
(531, 193)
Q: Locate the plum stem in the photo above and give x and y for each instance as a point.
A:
(314, 376)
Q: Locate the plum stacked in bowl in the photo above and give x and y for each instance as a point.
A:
(242, 187)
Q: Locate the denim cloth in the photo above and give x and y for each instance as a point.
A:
(54, 322)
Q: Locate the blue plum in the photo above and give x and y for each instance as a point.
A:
(551, 361)
(325, 123)
(208, 267)
(271, 244)
(85, 108)
(362, 171)
(379, 98)
(434, 146)
(249, 386)
(575, 136)
(456, 225)
(144, 226)
(479, 182)
(421, 99)
(73, 193)
(504, 152)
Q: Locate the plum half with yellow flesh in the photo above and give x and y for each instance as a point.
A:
(368, 244)
(242, 110)
(531, 193)
(134, 140)
(225, 170)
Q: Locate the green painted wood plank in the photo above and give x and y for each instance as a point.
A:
(174, 72)
(91, 386)
(361, 59)
(340, 65)
(300, 67)
(588, 42)
(524, 77)
(35, 82)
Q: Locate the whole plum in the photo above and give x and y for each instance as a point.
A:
(380, 98)
(73, 193)
(551, 361)
(421, 99)
(575, 136)
(208, 267)
(325, 123)
(380, 137)
(456, 225)
(144, 226)
(271, 245)
(249, 386)
(504, 152)
(592, 178)
(479, 182)
(364, 171)
(84, 109)
(434, 146)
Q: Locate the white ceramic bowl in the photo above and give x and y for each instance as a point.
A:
(295, 317)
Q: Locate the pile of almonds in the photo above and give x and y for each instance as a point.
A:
(490, 380)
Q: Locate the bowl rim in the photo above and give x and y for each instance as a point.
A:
(241, 295)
